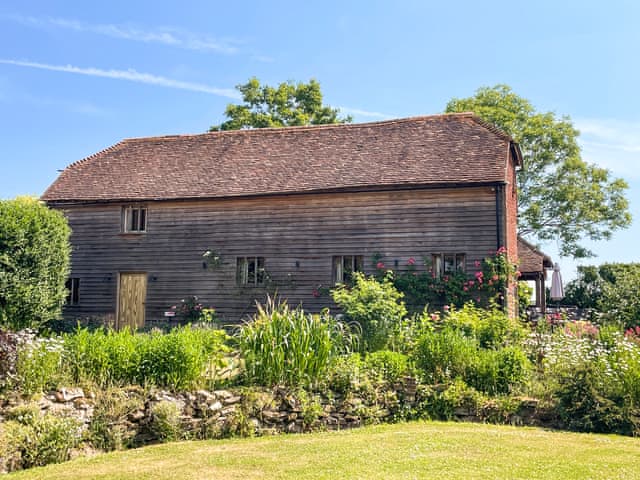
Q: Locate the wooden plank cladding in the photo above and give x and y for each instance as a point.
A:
(297, 235)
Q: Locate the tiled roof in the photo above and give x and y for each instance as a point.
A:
(531, 259)
(430, 150)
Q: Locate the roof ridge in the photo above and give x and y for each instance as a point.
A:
(300, 128)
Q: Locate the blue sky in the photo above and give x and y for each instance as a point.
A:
(76, 77)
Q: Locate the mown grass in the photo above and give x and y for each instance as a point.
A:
(402, 451)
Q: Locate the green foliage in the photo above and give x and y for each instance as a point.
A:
(524, 299)
(560, 196)
(284, 346)
(34, 439)
(178, 359)
(492, 327)
(611, 288)
(484, 287)
(387, 365)
(40, 366)
(470, 344)
(288, 104)
(34, 263)
(499, 371)
(376, 306)
(165, 421)
(584, 405)
(594, 385)
(445, 355)
(346, 374)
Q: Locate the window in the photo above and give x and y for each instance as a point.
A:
(73, 291)
(134, 219)
(442, 263)
(250, 271)
(344, 266)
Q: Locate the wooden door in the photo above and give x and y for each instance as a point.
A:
(132, 294)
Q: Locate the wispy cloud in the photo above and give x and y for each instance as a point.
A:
(365, 113)
(130, 75)
(170, 36)
(613, 144)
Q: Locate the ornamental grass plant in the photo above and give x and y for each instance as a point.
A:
(287, 346)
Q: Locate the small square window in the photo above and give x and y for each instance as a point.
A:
(134, 219)
(344, 266)
(443, 263)
(250, 271)
(73, 291)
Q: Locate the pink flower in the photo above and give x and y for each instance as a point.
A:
(466, 289)
(434, 317)
(379, 265)
(479, 275)
(518, 274)
(501, 250)
(477, 263)
(471, 283)
(495, 278)
(446, 308)
(411, 261)
(173, 307)
(315, 292)
(445, 278)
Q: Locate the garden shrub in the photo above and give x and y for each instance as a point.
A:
(284, 346)
(611, 288)
(499, 371)
(35, 440)
(492, 327)
(374, 305)
(346, 373)
(445, 354)
(34, 263)
(387, 365)
(584, 405)
(441, 404)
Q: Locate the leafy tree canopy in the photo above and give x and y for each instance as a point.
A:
(611, 288)
(289, 104)
(34, 263)
(560, 195)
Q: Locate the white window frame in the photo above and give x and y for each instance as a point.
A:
(344, 265)
(447, 263)
(250, 271)
(134, 219)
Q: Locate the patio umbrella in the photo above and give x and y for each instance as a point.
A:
(557, 290)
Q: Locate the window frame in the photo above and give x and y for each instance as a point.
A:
(135, 219)
(73, 288)
(456, 261)
(340, 274)
(250, 271)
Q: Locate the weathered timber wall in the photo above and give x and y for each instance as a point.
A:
(298, 235)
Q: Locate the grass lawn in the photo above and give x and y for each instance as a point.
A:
(411, 450)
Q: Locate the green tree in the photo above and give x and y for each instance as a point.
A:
(287, 105)
(34, 263)
(611, 288)
(560, 195)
